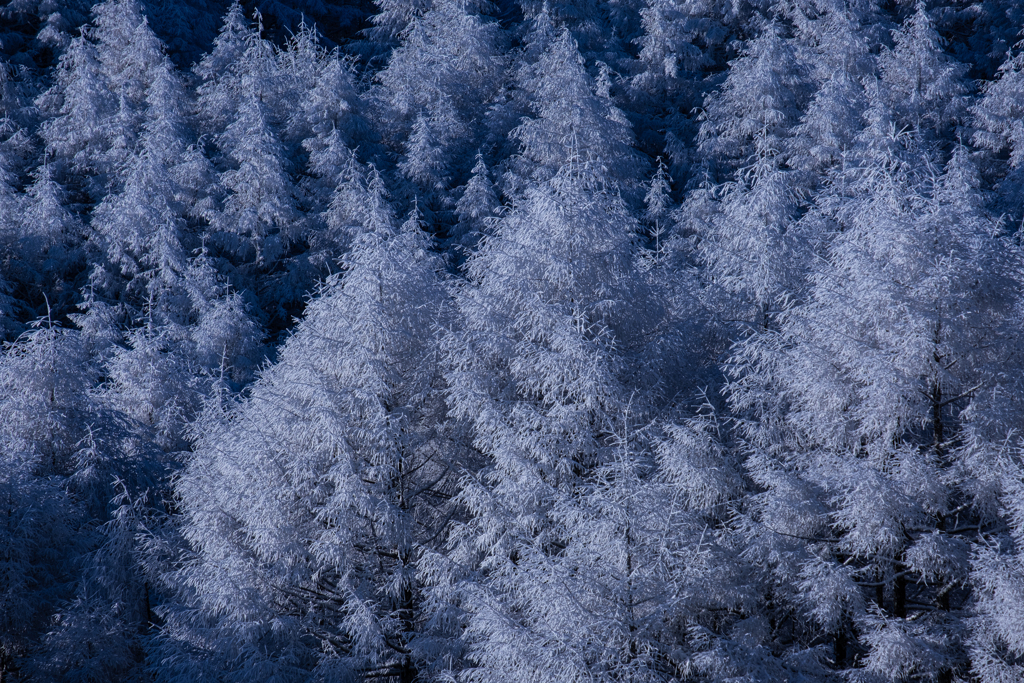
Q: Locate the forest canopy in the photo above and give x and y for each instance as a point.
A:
(631, 341)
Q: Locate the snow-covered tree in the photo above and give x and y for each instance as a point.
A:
(436, 86)
(657, 201)
(239, 63)
(246, 100)
(450, 57)
(44, 380)
(568, 114)
(38, 537)
(307, 504)
(867, 415)
(997, 116)
(839, 41)
(477, 205)
(758, 105)
(925, 86)
(100, 633)
(82, 104)
(327, 97)
(391, 21)
(755, 247)
(998, 113)
(50, 240)
(98, 101)
(562, 336)
(998, 579)
(259, 219)
(17, 116)
(679, 39)
(682, 41)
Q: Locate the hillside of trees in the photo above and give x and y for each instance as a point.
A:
(483, 341)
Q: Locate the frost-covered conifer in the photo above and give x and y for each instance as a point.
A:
(307, 504)
(997, 119)
(99, 98)
(99, 634)
(680, 38)
(569, 115)
(425, 162)
(750, 237)
(625, 578)
(239, 64)
(998, 114)
(998, 578)
(866, 414)
(438, 82)
(759, 103)
(328, 100)
(476, 205)
(838, 44)
(681, 41)
(560, 338)
(49, 232)
(17, 116)
(392, 21)
(753, 244)
(449, 57)
(38, 536)
(44, 380)
(259, 219)
(81, 104)
(658, 199)
(143, 227)
(246, 99)
(925, 86)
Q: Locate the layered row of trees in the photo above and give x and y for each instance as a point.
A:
(673, 340)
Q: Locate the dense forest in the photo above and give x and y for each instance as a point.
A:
(505, 340)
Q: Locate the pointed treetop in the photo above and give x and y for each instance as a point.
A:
(927, 88)
(658, 197)
(477, 203)
(228, 46)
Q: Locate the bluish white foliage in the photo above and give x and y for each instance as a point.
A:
(43, 377)
(550, 362)
(758, 105)
(861, 449)
(569, 117)
(925, 87)
(696, 359)
(284, 583)
(98, 99)
(477, 205)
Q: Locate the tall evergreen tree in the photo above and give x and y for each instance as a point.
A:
(758, 105)
(997, 128)
(864, 450)
(477, 205)
(561, 338)
(44, 381)
(568, 114)
(98, 101)
(436, 86)
(346, 426)
(925, 87)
